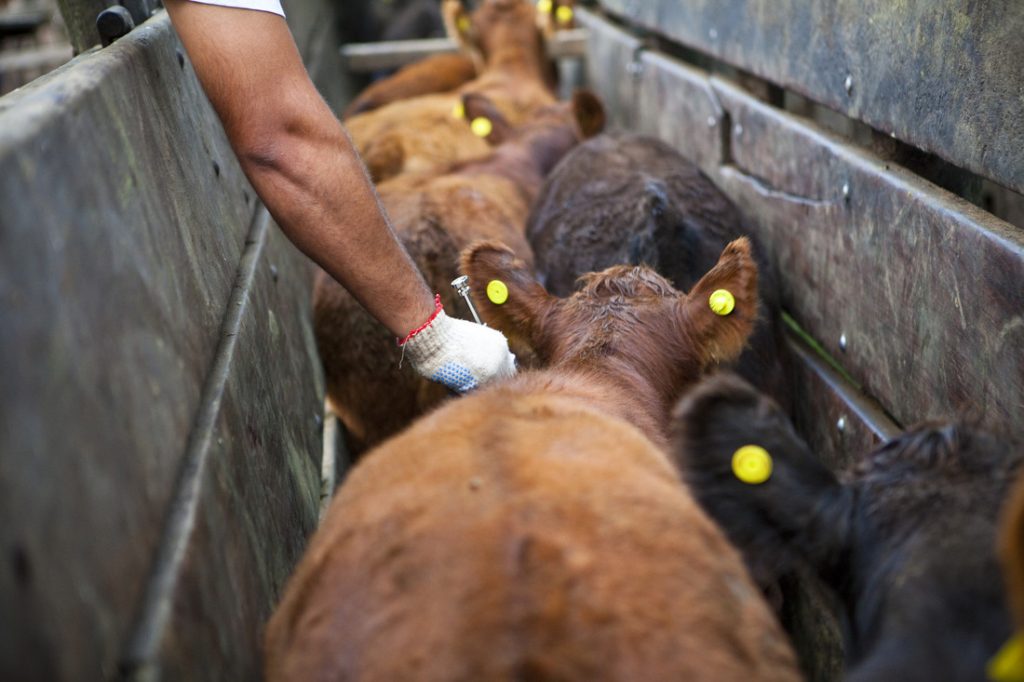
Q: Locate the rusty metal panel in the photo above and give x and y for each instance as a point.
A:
(943, 75)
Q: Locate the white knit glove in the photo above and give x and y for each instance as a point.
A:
(459, 354)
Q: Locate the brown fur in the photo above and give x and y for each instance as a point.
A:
(437, 74)
(1011, 550)
(441, 73)
(422, 134)
(530, 530)
(435, 215)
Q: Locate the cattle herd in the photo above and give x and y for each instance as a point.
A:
(588, 519)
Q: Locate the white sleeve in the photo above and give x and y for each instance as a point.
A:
(273, 6)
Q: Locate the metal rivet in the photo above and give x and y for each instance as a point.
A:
(846, 191)
(113, 23)
(738, 130)
(841, 424)
(848, 84)
(712, 121)
(842, 342)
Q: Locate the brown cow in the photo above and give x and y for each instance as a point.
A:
(436, 215)
(531, 530)
(426, 133)
(906, 538)
(446, 72)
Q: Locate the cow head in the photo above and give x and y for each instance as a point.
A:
(626, 322)
(906, 538)
(494, 26)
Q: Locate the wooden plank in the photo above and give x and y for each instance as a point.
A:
(370, 57)
(942, 75)
(924, 287)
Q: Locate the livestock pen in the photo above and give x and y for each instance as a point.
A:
(161, 459)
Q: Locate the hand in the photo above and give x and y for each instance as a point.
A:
(459, 354)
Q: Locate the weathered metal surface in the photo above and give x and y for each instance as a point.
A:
(925, 287)
(124, 226)
(838, 421)
(612, 62)
(945, 76)
(370, 57)
(80, 21)
(258, 498)
(118, 251)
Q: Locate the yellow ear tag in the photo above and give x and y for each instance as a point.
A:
(722, 302)
(544, 6)
(564, 14)
(1008, 664)
(752, 464)
(463, 24)
(481, 127)
(497, 292)
(459, 110)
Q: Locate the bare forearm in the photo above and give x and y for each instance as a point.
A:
(317, 191)
(298, 158)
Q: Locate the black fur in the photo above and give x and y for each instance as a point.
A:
(906, 538)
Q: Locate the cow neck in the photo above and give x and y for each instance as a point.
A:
(626, 395)
(518, 61)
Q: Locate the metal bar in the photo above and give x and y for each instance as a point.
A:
(369, 57)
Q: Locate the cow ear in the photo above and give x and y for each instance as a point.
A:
(458, 25)
(589, 112)
(485, 119)
(747, 467)
(506, 294)
(717, 317)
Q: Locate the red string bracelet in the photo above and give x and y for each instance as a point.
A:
(437, 309)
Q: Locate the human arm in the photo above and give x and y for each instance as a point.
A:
(307, 173)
